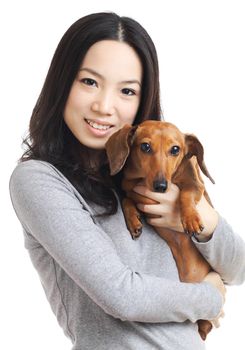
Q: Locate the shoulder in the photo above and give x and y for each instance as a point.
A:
(37, 178)
(32, 167)
(32, 170)
(35, 182)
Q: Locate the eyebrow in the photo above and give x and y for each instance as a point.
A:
(132, 81)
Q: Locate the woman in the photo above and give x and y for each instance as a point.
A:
(106, 290)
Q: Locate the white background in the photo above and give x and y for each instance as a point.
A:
(201, 54)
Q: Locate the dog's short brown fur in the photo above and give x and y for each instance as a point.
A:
(154, 154)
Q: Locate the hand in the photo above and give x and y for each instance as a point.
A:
(166, 208)
(215, 279)
(168, 211)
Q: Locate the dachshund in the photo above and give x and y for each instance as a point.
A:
(155, 154)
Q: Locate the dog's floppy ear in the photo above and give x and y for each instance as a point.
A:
(118, 147)
(195, 148)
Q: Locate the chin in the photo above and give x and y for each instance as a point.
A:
(95, 145)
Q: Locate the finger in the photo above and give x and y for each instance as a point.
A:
(215, 323)
(171, 195)
(157, 222)
(163, 222)
(155, 209)
(222, 314)
(144, 191)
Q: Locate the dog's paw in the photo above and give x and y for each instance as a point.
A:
(135, 226)
(132, 218)
(192, 222)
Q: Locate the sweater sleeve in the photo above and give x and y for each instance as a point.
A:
(49, 210)
(225, 252)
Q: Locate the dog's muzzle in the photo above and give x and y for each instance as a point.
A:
(160, 185)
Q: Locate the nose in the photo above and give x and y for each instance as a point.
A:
(160, 185)
(103, 103)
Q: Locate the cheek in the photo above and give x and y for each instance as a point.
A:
(76, 101)
(69, 107)
(173, 164)
(128, 112)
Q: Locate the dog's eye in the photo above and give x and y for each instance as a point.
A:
(175, 150)
(145, 147)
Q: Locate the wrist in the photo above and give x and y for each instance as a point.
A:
(202, 238)
(210, 220)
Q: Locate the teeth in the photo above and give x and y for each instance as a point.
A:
(98, 126)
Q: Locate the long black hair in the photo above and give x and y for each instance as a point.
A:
(49, 138)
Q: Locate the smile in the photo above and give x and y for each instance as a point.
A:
(98, 126)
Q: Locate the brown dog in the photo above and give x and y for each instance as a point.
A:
(154, 154)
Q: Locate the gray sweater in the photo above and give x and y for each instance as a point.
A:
(108, 291)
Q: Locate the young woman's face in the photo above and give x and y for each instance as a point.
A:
(105, 94)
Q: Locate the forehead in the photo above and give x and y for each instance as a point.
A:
(156, 131)
(114, 58)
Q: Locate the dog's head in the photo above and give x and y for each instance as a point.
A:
(154, 151)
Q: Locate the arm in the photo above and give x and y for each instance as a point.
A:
(50, 210)
(220, 246)
(225, 252)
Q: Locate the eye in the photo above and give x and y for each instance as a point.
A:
(175, 150)
(145, 147)
(89, 82)
(128, 92)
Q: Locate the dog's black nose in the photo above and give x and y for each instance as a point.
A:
(160, 185)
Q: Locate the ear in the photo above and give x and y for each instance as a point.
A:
(195, 148)
(118, 147)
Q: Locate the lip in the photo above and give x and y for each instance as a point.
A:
(98, 132)
(100, 122)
